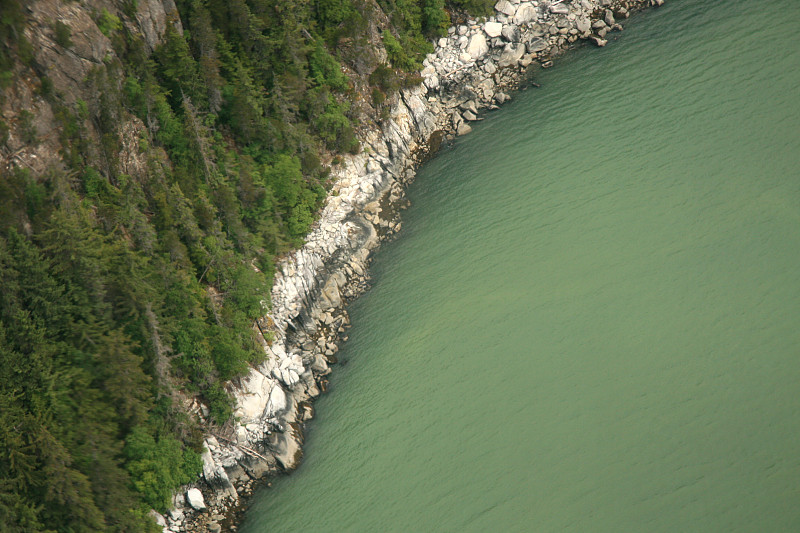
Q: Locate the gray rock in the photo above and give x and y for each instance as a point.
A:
(160, 520)
(489, 68)
(493, 29)
(537, 45)
(597, 24)
(213, 527)
(525, 13)
(511, 33)
(599, 41)
(463, 129)
(586, 5)
(470, 105)
(560, 9)
(276, 403)
(583, 25)
(470, 116)
(477, 46)
(511, 55)
(505, 7)
(608, 18)
(195, 498)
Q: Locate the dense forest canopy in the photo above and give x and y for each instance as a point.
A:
(129, 292)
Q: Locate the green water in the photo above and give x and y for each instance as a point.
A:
(591, 320)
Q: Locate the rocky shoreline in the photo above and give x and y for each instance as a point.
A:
(473, 69)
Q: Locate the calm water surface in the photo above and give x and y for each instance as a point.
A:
(591, 320)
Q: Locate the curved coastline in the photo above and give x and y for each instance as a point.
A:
(471, 69)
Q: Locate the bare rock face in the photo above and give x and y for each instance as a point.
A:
(153, 17)
(67, 67)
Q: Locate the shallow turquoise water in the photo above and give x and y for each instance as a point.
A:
(590, 321)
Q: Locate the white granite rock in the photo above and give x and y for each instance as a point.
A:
(195, 499)
(477, 46)
(505, 7)
(525, 13)
(493, 29)
(276, 403)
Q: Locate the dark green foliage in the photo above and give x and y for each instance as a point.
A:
(434, 18)
(63, 34)
(12, 22)
(3, 132)
(157, 465)
(108, 22)
(480, 8)
(27, 128)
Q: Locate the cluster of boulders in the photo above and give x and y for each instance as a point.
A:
(473, 68)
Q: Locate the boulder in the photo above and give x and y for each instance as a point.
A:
(608, 18)
(276, 403)
(505, 7)
(477, 46)
(511, 55)
(511, 33)
(463, 129)
(559, 9)
(160, 520)
(471, 106)
(195, 499)
(493, 29)
(525, 13)
(598, 41)
(216, 476)
(537, 45)
(432, 82)
(584, 25)
(470, 116)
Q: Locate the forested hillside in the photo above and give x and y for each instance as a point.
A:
(156, 158)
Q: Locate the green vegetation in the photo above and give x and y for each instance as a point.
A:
(131, 290)
(63, 34)
(107, 22)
